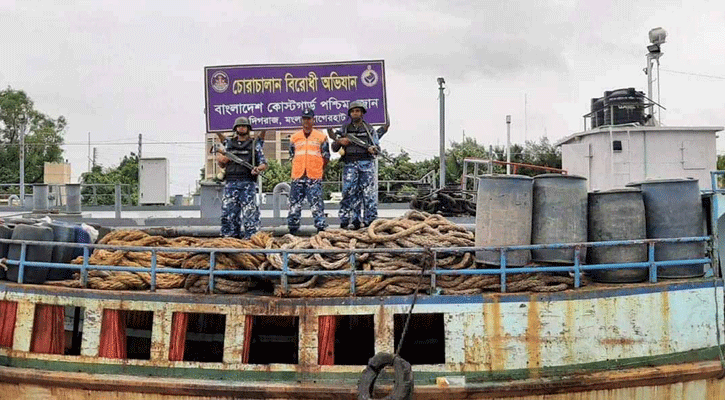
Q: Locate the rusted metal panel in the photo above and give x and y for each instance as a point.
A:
(454, 323)
(23, 325)
(384, 331)
(489, 333)
(91, 337)
(234, 337)
(308, 327)
(161, 335)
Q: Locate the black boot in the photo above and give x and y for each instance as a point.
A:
(355, 225)
(343, 225)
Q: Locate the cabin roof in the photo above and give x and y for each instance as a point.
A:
(632, 128)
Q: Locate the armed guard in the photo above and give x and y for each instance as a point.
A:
(359, 143)
(309, 152)
(240, 213)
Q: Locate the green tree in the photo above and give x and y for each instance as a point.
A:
(276, 172)
(720, 167)
(126, 173)
(43, 137)
(542, 153)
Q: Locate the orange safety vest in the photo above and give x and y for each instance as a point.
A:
(308, 155)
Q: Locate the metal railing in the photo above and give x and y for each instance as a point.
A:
(92, 194)
(353, 272)
(485, 166)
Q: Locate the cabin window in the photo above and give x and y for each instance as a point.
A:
(138, 334)
(617, 145)
(345, 339)
(274, 340)
(204, 337)
(125, 334)
(73, 327)
(57, 329)
(425, 340)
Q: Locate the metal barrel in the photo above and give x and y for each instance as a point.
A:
(40, 197)
(503, 217)
(73, 198)
(673, 208)
(617, 214)
(62, 254)
(41, 253)
(559, 215)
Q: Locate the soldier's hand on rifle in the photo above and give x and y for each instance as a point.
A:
(222, 160)
(255, 171)
(373, 150)
(343, 141)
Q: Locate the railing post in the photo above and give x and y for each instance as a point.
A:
(433, 290)
(285, 270)
(84, 267)
(117, 202)
(490, 159)
(503, 270)
(577, 271)
(353, 279)
(212, 264)
(715, 245)
(652, 266)
(153, 270)
(21, 264)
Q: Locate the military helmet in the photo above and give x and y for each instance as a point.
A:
(356, 104)
(241, 121)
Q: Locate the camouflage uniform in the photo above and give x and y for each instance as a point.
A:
(358, 190)
(240, 201)
(239, 205)
(312, 190)
(358, 176)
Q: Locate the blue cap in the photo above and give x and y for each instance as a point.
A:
(308, 113)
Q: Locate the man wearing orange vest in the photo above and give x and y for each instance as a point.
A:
(310, 152)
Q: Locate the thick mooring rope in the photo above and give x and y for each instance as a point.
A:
(413, 230)
(120, 280)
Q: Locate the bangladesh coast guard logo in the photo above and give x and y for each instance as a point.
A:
(369, 77)
(220, 81)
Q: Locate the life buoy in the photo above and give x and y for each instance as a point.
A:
(403, 377)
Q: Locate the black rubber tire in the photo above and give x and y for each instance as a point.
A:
(403, 377)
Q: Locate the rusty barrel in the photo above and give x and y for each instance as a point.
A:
(617, 214)
(559, 216)
(503, 217)
(673, 209)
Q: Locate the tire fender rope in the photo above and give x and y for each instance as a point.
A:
(403, 377)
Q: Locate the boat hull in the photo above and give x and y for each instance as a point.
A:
(655, 341)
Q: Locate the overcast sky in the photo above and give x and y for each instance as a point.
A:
(117, 69)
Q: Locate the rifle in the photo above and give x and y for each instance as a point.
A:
(219, 148)
(354, 139)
